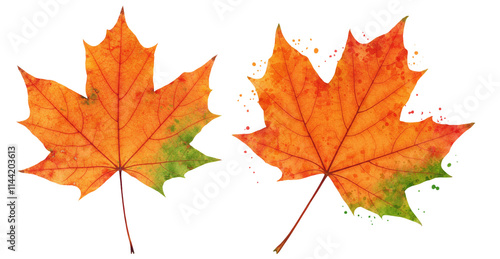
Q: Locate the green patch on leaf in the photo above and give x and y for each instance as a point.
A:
(391, 200)
(179, 156)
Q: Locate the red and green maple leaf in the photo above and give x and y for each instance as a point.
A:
(123, 125)
(348, 130)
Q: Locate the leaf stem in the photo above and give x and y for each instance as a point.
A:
(280, 246)
(125, 215)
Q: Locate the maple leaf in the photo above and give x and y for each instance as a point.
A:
(123, 125)
(349, 129)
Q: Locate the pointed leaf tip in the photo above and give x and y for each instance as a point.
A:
(278, 30)
(350, 37)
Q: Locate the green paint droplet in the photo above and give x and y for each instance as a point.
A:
(449, 164)
(418, 190)
(433, 186)
(437, 188)
(369, 216)
(345, 212)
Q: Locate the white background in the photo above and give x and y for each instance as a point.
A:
(247, 215)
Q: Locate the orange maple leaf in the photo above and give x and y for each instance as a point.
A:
(349, 129)
(122, 124)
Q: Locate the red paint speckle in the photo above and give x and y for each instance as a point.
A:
(247, 128)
